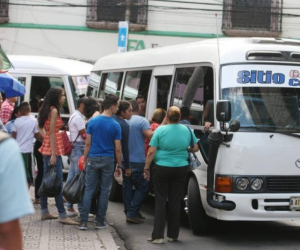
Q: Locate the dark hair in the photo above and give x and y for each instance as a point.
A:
(80, 101)
(24, 108)
(140, 96)
(51, 100)
(13, 114)
(173, 114)
(185, 113)
(110, 100)
(91, 105)
(135, 106)
(123, 106)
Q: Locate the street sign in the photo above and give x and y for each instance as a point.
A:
(123, 37)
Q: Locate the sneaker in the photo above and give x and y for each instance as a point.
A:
(100, 225)
(82, 226)
(67, 221)
(71, 213)
(48, 217)
(134, 220)
(172, 239)
(140, 216)
(156, 241)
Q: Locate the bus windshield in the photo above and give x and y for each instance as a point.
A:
(264, 108)
(79, 86)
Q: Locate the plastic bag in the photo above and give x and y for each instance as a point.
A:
(52, 184)
(74, 189)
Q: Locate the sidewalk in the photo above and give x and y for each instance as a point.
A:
(49, 234)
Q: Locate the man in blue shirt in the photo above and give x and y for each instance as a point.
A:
(139, 130)
(103, 141)
(14, 199)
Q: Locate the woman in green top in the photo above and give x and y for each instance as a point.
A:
(169, 148)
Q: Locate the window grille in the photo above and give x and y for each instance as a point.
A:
(4, 8)
(115, 10)
(257, 16)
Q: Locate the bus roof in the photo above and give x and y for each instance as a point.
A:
(232, 50)
(48, 65)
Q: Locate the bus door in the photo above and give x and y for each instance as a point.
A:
(193, 87)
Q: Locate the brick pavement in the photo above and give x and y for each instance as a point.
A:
(51, 235)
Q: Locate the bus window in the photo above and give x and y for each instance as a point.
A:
(136, 83)
(110, 84)
(163, 87)
(94, 83)
(39, 87)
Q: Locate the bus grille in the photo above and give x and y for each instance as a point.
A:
(283, 184)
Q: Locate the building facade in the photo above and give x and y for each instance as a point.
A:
(87, 29)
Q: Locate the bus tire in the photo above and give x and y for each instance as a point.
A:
(115, 193)
(199, 221)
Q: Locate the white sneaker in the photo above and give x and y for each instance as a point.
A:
(71, 213)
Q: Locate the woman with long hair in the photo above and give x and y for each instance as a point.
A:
(49, 123)
(92, 108)
(169, 148)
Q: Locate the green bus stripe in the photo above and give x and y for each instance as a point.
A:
(87, 29)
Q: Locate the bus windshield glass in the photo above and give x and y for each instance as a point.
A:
(79, 86)
(266, 109)
(263, 97)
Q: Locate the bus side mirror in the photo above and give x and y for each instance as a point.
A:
(223, 111)
(234, 126)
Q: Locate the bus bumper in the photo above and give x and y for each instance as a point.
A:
(257, 207)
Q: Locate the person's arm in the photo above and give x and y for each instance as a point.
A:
(207, 123)
(82, 133)
(118, 154)
(42, 132)
(148, 133)
(149, 159)
(87, 149)
(14, 134)
(53, 117)
(10, 235)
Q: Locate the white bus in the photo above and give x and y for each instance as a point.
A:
(252, 171)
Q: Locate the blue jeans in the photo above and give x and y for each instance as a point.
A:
(133, 199)
(59, 198)
(98, 170)
(77, 152)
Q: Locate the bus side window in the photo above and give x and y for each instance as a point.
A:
(94, 83)
(163, 88)
(136, 83)
(110, 84)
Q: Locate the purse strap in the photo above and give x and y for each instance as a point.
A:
(192, 142)
(68, 128)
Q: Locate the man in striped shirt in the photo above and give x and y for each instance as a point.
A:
(7, 109)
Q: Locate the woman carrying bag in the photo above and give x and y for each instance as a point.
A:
(169, 148)
(49, 123)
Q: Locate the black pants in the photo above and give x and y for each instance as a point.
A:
(168, 185)
(40, 167)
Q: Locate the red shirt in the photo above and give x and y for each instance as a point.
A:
(6, 111)
(153, 126)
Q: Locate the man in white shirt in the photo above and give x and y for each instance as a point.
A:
(24, 131)
(77, 137)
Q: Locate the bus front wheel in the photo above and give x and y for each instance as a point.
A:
(199, 221)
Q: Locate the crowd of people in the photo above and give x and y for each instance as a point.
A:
(115, 139)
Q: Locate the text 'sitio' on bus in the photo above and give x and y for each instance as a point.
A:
(249, 93)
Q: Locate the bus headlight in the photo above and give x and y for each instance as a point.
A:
(242, 183)
(256, 184)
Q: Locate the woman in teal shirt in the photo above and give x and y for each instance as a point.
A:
(169, 148)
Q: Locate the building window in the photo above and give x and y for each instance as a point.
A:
(4, 11)
(106, 14)
(252, 17)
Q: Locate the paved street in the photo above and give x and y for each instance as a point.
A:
(48, 235)
(228, 235)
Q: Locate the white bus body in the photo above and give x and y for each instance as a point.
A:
(39, 73)
(260, 77)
